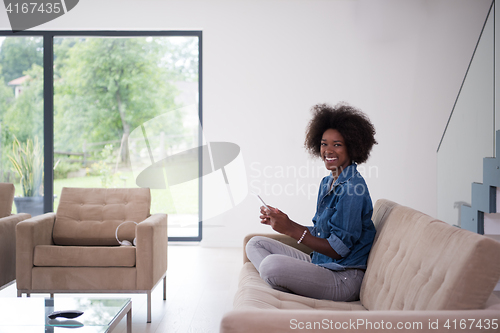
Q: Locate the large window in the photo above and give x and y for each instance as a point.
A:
(104, 109)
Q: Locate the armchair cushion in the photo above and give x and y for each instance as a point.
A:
(84, 256)
(90, 216)
(73, 279)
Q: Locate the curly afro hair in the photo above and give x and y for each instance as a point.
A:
(354, 126)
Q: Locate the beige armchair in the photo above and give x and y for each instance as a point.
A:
(76, 251)
(8, 234)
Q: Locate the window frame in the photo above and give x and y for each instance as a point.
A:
(48, 100)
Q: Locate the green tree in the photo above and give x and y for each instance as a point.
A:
(6, 95)
(18, 54)
(106, 87)
(24, 117)
(181, 58)
(6, 99)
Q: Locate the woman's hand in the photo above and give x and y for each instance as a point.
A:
(278, 220)
(264, 217)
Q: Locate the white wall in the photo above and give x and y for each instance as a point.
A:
(267, 62)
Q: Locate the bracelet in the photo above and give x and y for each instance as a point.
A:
(302, 237)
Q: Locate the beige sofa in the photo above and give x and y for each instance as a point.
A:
(75, 249)
(8, 224)
(423, 275)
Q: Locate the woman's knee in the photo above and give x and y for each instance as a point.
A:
(271, 268)
(253, 243)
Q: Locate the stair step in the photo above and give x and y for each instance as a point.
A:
(484, 197)
(491, 171)
(471, 219)
(498, 200)
(492, 225)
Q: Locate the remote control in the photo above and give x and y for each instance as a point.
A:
(65, 314)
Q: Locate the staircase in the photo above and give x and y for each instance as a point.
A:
(483, 215)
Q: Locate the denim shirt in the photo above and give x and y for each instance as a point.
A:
(343, 217)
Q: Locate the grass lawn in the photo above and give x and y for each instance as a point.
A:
(162, 201)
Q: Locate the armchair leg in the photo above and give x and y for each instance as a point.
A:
(149, 306)
(165, 287)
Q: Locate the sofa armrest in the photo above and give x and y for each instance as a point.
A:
(279, 320)
(279, 237)
(151, 251)
(30, 233)
(8, 246)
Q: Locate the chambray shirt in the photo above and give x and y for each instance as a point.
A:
(343, 217)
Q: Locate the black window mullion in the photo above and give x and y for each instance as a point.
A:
(48, 122)
(200, 136)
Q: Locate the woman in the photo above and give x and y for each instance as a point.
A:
(343, 231)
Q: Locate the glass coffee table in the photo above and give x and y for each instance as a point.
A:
(31, 314)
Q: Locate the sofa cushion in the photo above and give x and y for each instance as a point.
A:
(254, 293)
(7, 191)
(84, 256)
(420, 263)
(90, 216)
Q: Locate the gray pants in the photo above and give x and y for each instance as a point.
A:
(290, 270)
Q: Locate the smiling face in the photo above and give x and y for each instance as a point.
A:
(334, 152)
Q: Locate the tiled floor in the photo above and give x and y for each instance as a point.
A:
(201, 283)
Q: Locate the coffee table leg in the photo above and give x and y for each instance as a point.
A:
(129, 321)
